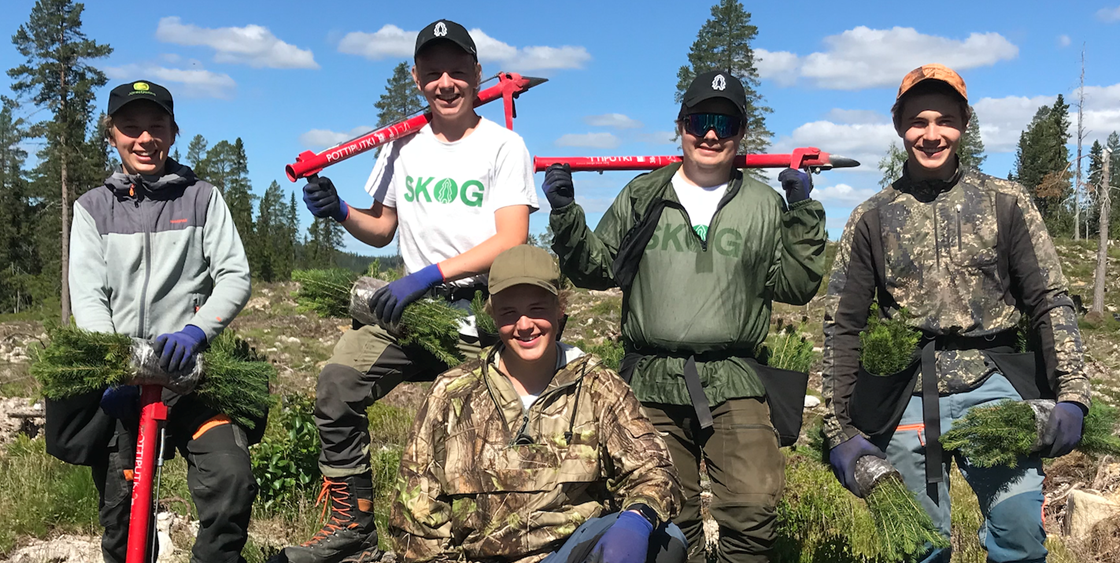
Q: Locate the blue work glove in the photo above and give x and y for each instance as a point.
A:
(322, 199)
(843, 459)
(796, 183)
(558, 187)
(389, 302)
(122, 402)
(1063, 431)
(626, 541)
(176, 349)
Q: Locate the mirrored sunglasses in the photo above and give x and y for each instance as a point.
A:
(725, 126)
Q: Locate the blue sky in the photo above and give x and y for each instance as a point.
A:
(293, 76)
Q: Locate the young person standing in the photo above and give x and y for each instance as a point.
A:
(457, 193)
(701, 252)
(967, 255)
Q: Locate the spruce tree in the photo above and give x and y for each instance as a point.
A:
(271, 234)
(1096, 160)
(56, 76)
(1113, 144)
(724, 43)
(401, 98)
(892, 165)
(196, 156)
(17, 255)
(1042, 165)
(292, 237)
(971, 148)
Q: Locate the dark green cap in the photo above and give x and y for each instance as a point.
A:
(525, 264)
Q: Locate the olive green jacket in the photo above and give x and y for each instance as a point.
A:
(692, 296)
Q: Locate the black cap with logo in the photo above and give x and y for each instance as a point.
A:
(140, 90)
(715, 84)
(445, 30)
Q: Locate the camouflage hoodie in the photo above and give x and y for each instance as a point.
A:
(484, 479)
(936, 244)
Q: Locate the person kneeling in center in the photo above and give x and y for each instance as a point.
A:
(536, 451)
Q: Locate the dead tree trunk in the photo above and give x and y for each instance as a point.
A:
(1102, 248)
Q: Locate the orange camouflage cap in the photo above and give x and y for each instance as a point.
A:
(933, 71)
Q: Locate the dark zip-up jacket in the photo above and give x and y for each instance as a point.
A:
(694, 296)
(936, 246)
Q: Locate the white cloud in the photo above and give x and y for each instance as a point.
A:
(865, 142)
(613, 120)
(658, 138)
(194, 83)
(589, 140)
(253, 45)
(843, 195)
(1003, 119)
(323, 138)
(870, 58)
(393, 42)
(1109, 15)
(1064, 41)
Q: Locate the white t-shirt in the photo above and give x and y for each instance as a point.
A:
(700, 203)
(446, 194)
(567, 354)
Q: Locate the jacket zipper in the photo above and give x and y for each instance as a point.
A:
(936, 236)
(147, 269)
(959, 249)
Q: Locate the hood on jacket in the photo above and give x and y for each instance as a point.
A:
(175, 176)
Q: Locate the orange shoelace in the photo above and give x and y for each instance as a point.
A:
(339, 507)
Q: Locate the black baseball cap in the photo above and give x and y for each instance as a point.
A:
(445, 30)
(715, 84)
(141, 90)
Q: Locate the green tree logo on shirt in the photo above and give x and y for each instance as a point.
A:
(701, 230)
(446, 190)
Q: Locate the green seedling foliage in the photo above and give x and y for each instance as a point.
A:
(887, 344)
(325, 292)
(434, 326)
(79, 361)
(482, 319)
(786, 348)
(286, 462)
(1005, 432)
(236, 380)
(905, 529)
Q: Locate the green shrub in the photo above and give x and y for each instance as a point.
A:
(609, 350)
(286, 462)
(887, 345)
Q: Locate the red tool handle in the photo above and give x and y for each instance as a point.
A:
(799, 158)
(509, 86)
(152, 414)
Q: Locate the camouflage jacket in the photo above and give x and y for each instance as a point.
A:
(935, 244)
(483, 479)
(694, 295)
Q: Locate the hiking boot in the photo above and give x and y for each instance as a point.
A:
(350, 532)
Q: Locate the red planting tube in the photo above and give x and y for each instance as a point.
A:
(510, 85)
(152, 415)
(800, 158)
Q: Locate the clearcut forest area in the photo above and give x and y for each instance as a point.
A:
(50, 509)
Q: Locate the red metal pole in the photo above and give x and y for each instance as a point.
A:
(153, 413)
(800, 158)
(509, 86)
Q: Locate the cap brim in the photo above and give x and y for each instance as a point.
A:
(150, 100)
(522, 280)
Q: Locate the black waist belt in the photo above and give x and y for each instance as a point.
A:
(931, 407)
(457, 292)
(691, 375)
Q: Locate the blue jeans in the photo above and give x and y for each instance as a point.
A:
(1010, 499)
(666, 544)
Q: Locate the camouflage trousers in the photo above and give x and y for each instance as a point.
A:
(746, 469)
(367, 363)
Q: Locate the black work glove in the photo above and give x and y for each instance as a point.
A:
(558, 188)
(322, 199)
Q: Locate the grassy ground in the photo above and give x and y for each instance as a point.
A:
(41, 497)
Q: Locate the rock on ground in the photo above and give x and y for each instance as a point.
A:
(28, 420)
(64, 549)
(1084, 510)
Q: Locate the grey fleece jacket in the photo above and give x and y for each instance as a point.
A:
(150, 255)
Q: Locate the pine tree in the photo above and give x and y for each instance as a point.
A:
(196, 157)
(56, 76)
(971, 148)
(401, 98)
(1042, 165)
(892, 165)
(724, 43)
(17, 256)
(272, 236)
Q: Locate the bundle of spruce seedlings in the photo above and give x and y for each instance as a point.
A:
(1004, 433)
(231, 377)
(432, 324)
(887, 345)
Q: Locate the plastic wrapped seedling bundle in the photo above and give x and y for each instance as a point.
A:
(429, 323)
(325, 292)
(1003, 433)
(228, 377)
